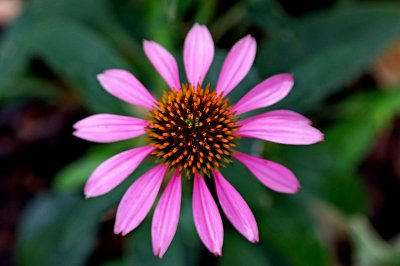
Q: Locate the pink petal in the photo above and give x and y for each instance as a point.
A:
(116, 169)
(109, 128)
(280, 126)
(283, 114)
(206, 217)
(163, 62)
(235, 208)
(123, 85)
(237, 64)
(138, 199)
(271, 174)
(268, 92)
(198, 53)
(166, 216)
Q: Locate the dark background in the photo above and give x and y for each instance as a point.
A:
(345, 56)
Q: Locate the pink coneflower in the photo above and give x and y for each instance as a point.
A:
(191, 132)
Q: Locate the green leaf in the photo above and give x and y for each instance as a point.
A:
(370, 249)
(329, 170)
(78, 55)
(61, 229)
(91, 11)
(363, 117)
(115, 263)
(328, 49)
(70, 49)
(323, 73)
(238, 251)
(57, 230)
(288, 229)
(324, 175)
(15, 51)
(268, 14)
(98, 15)
(28, 88)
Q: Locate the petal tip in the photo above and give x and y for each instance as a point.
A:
(254, 239)
(158, 252)
(147, 43)
(76, 125)
(289, 77)
(88, 190)
(322, 136)
(100, 77)
(125, 232)
(77, 134)
(196, 25)
(249, 38)
(117, 229)
(318, 136)
(88, 194)
(218, 252)
(252, 39)
(292, 190)
(252, 234)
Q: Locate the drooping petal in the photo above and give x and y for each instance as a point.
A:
(109, 128)
(281, 114)
(123, 85)
(164, 62)
(271, 174)
(113, 171)
(287, 115)
(198, 53)
(235, 208)
(237, 64)
(266, 93)
(280, 126)
(166, 216)
(138, 199)
(206, 217)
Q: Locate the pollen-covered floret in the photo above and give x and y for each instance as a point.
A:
(193, 130)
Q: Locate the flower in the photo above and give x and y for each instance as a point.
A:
(192, 132)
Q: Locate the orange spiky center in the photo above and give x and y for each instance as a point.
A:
(193, 130)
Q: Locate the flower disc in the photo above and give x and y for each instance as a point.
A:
(193, 130)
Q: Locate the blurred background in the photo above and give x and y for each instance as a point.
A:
(345, 55)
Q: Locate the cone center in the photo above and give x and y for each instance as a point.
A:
(192, 130)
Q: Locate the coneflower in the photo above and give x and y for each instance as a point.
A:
(192, 132)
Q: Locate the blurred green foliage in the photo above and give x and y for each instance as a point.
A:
(325, 50)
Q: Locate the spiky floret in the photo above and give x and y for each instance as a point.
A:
(193, 130)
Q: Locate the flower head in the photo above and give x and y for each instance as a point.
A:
(192, 132)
